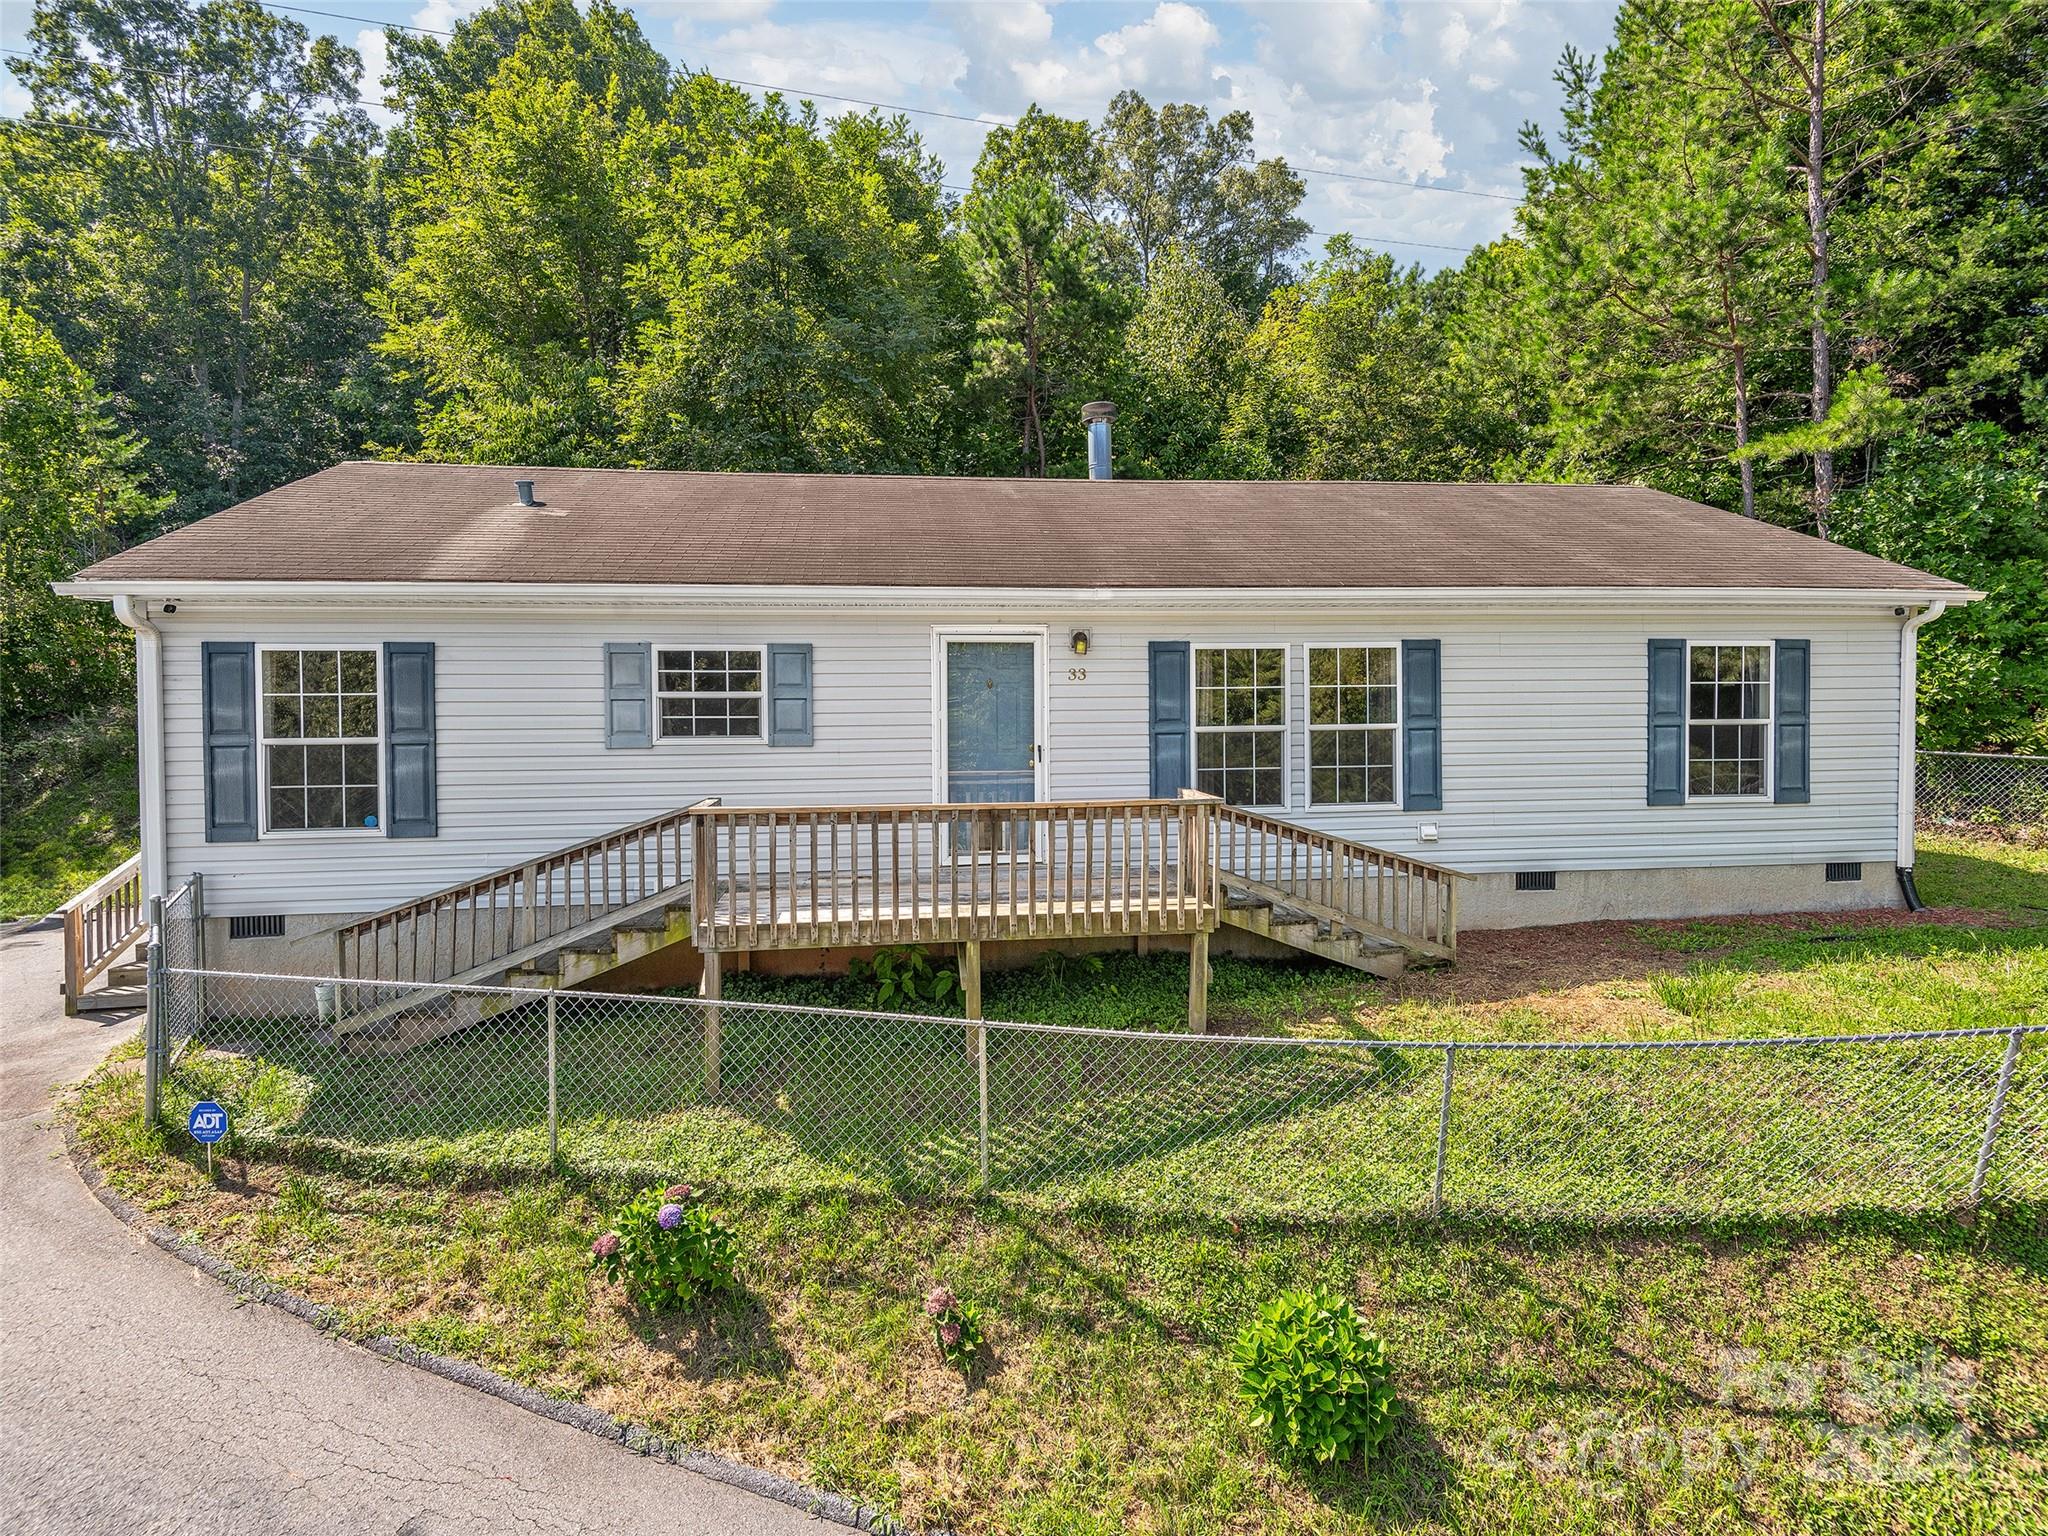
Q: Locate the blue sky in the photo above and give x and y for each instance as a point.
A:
(1411, 90)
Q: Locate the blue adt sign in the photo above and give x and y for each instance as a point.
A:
(208, 1122)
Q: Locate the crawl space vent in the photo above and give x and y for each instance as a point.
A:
(1535, 879)
(269, 926)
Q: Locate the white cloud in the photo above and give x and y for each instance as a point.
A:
(1167, 51)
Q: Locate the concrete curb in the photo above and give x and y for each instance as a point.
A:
(633, 1438)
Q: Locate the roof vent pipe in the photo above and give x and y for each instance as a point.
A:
(1098, 414)
(525, 489)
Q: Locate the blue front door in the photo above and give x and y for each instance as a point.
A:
(991, 721)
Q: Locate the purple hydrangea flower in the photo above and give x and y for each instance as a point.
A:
(605, 1246)
(670, 1217)
(940, 1301)
(678, 1192)
(950, 1333)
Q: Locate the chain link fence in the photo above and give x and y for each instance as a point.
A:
(1982, 791)
(768, 1097)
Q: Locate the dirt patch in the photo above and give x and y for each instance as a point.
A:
(1498, 965)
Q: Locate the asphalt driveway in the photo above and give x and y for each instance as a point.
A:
(139, 1395)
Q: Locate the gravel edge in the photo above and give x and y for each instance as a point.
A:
(633, 1438)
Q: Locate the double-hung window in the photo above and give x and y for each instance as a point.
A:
(320, 739)
(1354, 720)
(707, 692)
(1241, 723)
(1728, 720)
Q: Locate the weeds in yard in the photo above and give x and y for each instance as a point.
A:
(1699, 993)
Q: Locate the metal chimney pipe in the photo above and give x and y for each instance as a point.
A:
(525, 489)
(1098, 414)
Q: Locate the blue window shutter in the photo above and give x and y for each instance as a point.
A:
(789, 695)
(411, 796)
(1792, 718)
(228, 703)
(628, 695)
(1667, 723)
(1172, 760)
(1422, 725)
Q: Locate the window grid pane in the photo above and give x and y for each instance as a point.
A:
(1353, 714)
(320, 749)
(1728, 720)
(708, 691)
(1241, 723)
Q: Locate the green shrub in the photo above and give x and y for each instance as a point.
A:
(956, 1327)
(1316, 1380)
(667, 1249)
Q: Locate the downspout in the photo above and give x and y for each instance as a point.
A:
(1909, 716)
(149, 731)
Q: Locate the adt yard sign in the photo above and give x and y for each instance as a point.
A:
(208, 1122)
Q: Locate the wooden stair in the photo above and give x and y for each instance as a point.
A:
(571, 958)
(123, 985)
(1324, 937)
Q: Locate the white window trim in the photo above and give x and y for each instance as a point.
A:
(1196, 730)
(1039, 635)
(1309, 728)
(1769, 722)
(655, 693)
(264, 741)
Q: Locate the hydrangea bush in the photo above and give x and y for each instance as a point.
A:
(667, 1249)
(956, 1327)
(1316, 1379)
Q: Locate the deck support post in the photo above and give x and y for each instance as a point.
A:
(1198, 982)
(710, 989)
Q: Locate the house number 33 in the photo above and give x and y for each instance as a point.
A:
(1077, 674)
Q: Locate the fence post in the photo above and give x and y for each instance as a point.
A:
(2012, 1055)
(1443, 1135)
(554, 1119)
(198, 899)
(981, 1072)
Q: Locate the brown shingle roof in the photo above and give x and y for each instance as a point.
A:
(450, 523)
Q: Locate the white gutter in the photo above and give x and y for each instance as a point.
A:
(615, 595)
(149, 731)
(1909, 719)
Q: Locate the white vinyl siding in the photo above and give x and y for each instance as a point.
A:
(1544, 750)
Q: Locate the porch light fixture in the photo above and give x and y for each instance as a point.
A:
(1080, 642)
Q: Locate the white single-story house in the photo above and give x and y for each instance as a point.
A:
(391, 679)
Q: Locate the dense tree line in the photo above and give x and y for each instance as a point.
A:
(1785, 256)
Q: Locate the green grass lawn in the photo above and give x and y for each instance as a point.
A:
(70, 813)
(1874, 1371)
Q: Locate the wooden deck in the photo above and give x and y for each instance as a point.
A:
(827, 877)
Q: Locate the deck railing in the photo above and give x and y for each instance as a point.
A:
(512, 912)
(806, 877)
(1407, 901)
(99, 922)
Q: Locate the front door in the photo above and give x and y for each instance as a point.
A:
(991, 725)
